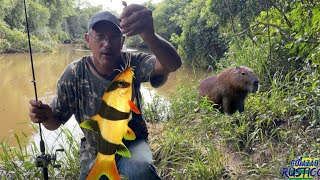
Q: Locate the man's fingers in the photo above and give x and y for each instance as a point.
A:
(127, 11)
(138, 26)
(37, 118)
(133, 29)
(135, 16)
(35, 103)
(37, 110)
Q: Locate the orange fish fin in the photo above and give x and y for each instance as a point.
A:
(133, 107)
(104, 165)
(129, 134)
(123, 150)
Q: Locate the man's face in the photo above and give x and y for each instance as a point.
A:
(105, 42)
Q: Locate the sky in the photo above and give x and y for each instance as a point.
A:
(116, 4)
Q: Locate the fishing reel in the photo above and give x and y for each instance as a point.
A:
(44, 160)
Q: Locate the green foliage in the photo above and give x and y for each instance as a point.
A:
(76, 25)
(50, 22)
(59, 10)
(199, 39)
(18, 162)
(38, 16)
(163, 15)
(13, 15)
(4, 44)
(16, 41)
(292, 40)
(236, 14)
(45, 19)
(6, 6)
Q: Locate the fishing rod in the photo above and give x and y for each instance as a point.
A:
(44, 159)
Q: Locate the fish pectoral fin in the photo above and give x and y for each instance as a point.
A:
(90, 124)
(129, 134)
(133, 107)
(123, 150)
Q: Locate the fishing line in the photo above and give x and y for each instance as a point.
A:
(42, 146)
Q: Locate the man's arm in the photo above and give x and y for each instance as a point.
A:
(168, 59)
(48, 115)
(137, 19)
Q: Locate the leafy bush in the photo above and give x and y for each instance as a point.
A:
(17, 41)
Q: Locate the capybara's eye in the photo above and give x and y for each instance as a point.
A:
(243, 73)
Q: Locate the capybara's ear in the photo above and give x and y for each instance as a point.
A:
(238, 67)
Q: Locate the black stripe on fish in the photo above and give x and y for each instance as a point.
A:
(105, 147)
(110, 113)
(117, 84)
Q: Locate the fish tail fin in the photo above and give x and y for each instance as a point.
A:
(105, 164)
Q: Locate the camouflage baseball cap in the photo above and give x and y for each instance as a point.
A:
(104, 16)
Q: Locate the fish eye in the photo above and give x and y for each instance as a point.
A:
(120, 84)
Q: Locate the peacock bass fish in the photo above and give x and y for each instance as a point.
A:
(111, 124)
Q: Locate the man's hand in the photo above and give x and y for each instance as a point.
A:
(137, 19)
(42, 113)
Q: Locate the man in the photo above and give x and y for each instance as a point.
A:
(82, 84)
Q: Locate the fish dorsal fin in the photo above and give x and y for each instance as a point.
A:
(123, 150)
(129, 134)
(90, 125)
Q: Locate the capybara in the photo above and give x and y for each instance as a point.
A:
(229, 89)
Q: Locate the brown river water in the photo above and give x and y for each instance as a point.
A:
(17, 90)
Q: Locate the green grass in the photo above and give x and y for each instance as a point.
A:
(181, 153)
(18, 162)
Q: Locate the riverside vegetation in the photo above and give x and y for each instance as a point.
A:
(278, 40)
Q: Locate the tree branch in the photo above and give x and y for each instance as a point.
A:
(282, 13)
(266, 24)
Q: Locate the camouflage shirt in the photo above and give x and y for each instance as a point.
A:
(79, 92)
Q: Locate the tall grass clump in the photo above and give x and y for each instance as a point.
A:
(187, 149)
(157, 109)
(18, 162)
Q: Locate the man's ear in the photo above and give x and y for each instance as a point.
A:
(86, 38)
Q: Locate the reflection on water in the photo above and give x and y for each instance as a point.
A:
(17, 89)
